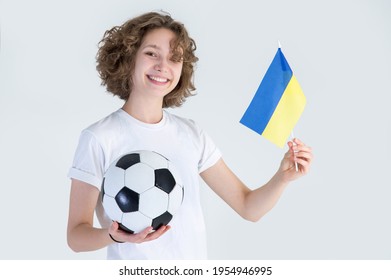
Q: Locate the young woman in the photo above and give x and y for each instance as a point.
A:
(148, 62)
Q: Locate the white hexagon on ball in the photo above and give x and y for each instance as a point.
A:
(139, 177)
(153, 202)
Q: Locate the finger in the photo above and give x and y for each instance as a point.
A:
(300, 156)
(303, 147)
(157, 233)
(304, 165)
(303, 161)
(294, 147)
(298, 141)
(304, 155)
(138, 237)
(143, 234)
(291, 150)
(115, 225)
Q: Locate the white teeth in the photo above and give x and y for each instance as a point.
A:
(158, 79)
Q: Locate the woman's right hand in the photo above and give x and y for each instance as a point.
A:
(143, 236)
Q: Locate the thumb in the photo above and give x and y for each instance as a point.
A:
(114, 226)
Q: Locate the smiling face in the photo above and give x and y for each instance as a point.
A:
(156, 73)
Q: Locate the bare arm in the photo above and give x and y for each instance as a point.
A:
(253, 204)
(81, 234)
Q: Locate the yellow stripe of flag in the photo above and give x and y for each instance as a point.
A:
(286, 114)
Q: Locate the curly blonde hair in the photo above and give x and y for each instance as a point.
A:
(118, 48)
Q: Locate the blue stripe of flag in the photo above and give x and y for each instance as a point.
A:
(268, 94)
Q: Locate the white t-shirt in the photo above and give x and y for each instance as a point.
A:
(180, 140)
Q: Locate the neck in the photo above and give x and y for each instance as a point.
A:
(147, 112)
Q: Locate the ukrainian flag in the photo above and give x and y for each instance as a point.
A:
(278, 103)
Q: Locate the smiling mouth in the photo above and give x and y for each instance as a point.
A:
(158, 79)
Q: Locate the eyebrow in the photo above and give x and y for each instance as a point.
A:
(152, 46)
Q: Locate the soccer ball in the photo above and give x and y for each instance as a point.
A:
(141, 189)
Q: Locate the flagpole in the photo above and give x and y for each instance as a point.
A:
(294, 151)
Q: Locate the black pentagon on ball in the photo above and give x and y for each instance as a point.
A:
(161, 220)
(128, 160)
(164, 180)
(127, 200)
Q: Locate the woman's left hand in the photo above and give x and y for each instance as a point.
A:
(299, 154)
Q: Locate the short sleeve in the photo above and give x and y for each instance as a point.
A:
(88, 161)
(210, 154)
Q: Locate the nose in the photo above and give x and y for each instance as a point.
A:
(161, 66)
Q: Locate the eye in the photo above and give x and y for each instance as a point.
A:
(152, 54)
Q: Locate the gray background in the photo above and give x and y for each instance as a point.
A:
(340, 53)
